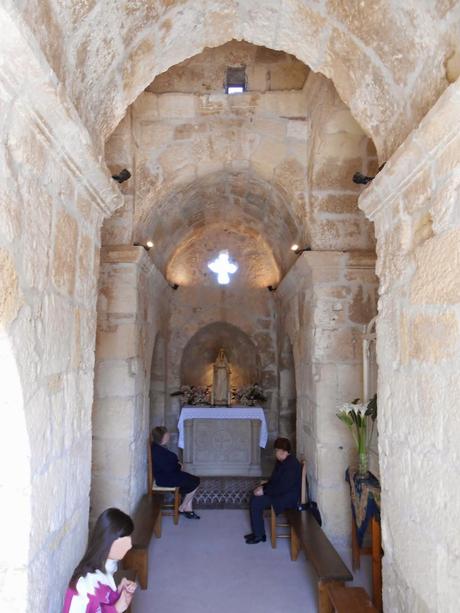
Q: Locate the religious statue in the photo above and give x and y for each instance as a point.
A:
(221, 390)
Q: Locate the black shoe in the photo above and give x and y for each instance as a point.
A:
(256, 539)
(189, 514)
(249, 536)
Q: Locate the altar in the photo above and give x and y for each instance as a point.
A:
(222, 441)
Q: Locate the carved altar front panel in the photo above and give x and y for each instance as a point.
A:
(222, 447)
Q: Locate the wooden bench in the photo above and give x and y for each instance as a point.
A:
(147, 520)
(349, 599)
(307, 534)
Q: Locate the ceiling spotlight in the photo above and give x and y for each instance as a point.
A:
(149, 244)
(294, 247)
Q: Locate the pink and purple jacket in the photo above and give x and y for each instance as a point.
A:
(94, 593)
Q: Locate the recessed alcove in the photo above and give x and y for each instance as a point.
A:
(201, 352)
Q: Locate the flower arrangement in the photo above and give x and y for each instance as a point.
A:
(356, 416)
(195, 395)
(249, 395)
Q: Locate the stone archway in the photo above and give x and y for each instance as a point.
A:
(15, 483)
(104, 76)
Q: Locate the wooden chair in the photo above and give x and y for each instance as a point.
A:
(274, 524)
(152, 488)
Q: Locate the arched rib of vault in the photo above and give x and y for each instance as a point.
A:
(233, 200)
(107, 53)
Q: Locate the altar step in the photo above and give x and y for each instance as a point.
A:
(225, 492)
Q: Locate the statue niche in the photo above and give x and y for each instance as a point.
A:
(221, 394)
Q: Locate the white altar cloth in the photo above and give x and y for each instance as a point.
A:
(223, 413)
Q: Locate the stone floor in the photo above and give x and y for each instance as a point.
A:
(204, 566)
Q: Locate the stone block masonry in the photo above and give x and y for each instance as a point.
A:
(414, 204)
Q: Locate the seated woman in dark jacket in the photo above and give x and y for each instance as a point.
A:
(168, 471)
(282, 490)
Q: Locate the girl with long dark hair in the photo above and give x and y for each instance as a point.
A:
(92, 587)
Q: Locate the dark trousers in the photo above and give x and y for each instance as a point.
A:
(257, 506)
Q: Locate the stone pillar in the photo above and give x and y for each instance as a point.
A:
(343, 301)
(325, 301)
(131, 295)
(415, 203)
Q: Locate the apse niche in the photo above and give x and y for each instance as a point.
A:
(201, 352)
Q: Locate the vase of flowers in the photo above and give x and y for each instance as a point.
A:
(194, 395)
(357, 415)
(249, 395)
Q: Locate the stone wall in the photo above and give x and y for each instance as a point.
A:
(132, 307)
(325, 301)
(106, 55)
(337, 149)
(304, 144)
(415, 203)
(54, 196)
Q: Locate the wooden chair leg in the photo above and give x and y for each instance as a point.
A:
(176, 506)
(295, 545)
(355, 553)
(376, 564)
(273, 527)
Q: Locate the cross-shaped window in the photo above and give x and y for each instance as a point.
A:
(223, 268)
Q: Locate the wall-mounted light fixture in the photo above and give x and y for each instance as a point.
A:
(271, 288)
(173, 286)
(148, 245)
(122, 176)
(298, 250)
(361, 179)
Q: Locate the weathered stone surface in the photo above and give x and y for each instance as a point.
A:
(10, 300)
(418, 352)
(64, 257)
(436, 280)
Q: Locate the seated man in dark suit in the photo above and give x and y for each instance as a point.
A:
(282, 490)
(168, 471)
